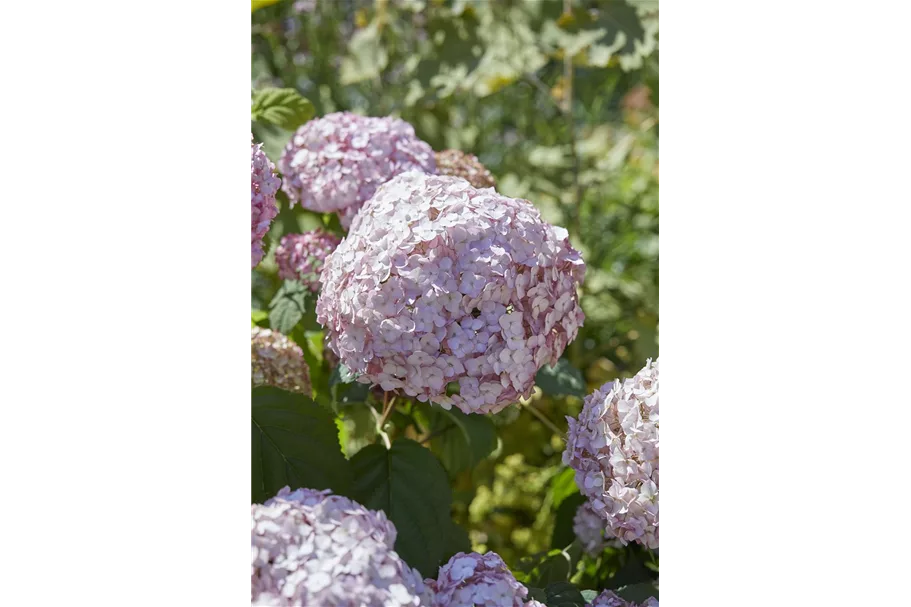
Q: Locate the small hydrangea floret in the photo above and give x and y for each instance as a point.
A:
(609, 599)
(335, 163)
(301, 256)
(476, 580)
(589, 527)
(314, 548)
(613, 448)
(467, 166)
(278, 362)
(262, 197)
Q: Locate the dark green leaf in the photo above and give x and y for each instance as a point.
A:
(410, 485)
(295, 443)
(561, 380)
(538, 594)
(555, 568)
(457, 540)
(284, 108)
(563, 534)
(288, 306)
(638, 593)
(470, 439)
(563, 594)
(344, 389)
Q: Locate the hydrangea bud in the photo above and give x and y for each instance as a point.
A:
(336, 162)
(279, 362)
(439, 284)
(590, 529)
(613, 447)
(314, 548)
(476, 580)
(264, 209)
(301, 256)
(467, 166)
(609, 599)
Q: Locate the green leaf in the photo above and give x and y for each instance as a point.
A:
(288, 306)
(410, 485)
(563, 534)
(344, 389)
(561, 380)
(538, 594)
(555, 568)
(366, 57)
(457, 540)
(295, 443)
(258, 316)
(590, 595)
(258, 4)
(563, 594)
(285, 108)
(470, 439)
(563, 486)
(638, 593)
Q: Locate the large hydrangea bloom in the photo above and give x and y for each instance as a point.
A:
(476, 580)
(279, 362)
(262, 197)
(467, 166)
(589, 527)
(613, 447)
(314, 548)
(336, 162)
(301, 256)
(439, 283)
(609, 599)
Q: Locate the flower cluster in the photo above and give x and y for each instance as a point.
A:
(475, 580)
(262, 197)
(336, 162)
(590, 529)
(609, 599)
(450, 294)
(301, 256)
(613, 447)
(314, 548)
(459, 164)
(279, 362)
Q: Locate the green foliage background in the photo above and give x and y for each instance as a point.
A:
(559, 100)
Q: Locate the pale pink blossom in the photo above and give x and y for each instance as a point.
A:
(262, 197)
(439, 285)
(301, 256)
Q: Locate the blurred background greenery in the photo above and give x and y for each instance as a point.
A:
(559, 99)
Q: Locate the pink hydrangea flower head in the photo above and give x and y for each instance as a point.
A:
(440, 287)
(337, 162)
(262, 197)
(534, 603)
(314, 548)
(476, 580)
(613, 447)
(591, 530)
(301, 256)
(279, 362)
(609, 599)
